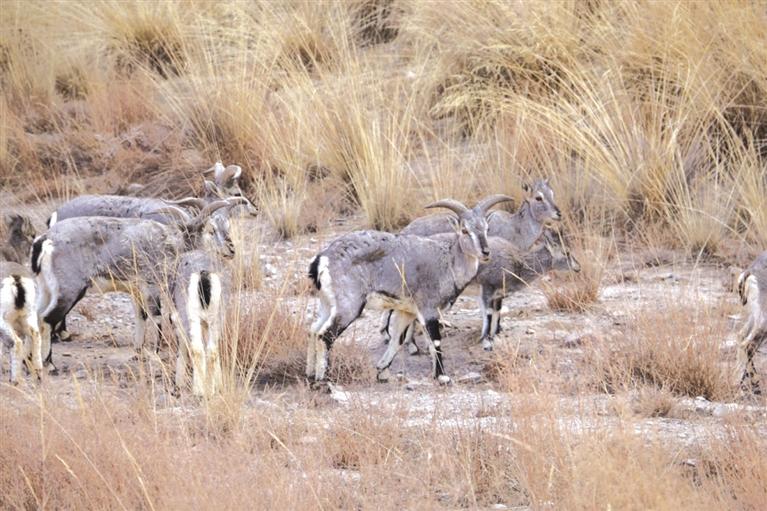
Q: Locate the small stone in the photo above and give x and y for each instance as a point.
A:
(471, 377)
(530, 331)
(573, 340)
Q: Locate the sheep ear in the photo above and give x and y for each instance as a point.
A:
(15, 222)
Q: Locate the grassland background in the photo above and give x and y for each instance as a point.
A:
(647, 117)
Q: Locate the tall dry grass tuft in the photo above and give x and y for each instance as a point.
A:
(676, 348)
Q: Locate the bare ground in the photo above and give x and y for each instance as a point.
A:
(554, 344)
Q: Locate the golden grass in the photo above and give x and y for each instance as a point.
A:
(675, 348)
(648, 118)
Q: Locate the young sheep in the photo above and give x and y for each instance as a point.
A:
(120, 254)
(752, 288)
(511, 270)
(20, 234)
(415, 275)
(198, 289)
(19, 330)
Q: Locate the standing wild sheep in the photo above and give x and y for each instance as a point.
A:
(752, 288)
(121, 254)
(19, 330)
(508, 271)
(415, 275)
(522, 228)
(198, 289)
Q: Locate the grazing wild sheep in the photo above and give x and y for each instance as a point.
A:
(20, 234)
(752, 288)
(198, 289)
(19, 330)
(120, 254)
(415, 275)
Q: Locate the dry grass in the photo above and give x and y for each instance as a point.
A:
(647, 117)
(104, 454)
(675, 348)
(402, 102)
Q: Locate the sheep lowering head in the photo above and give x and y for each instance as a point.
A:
(123, 254)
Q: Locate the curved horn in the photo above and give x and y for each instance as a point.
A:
(231, 172)
(188, 201)
(174, 212)
(198, 221)
(488, 202)
(451, 204)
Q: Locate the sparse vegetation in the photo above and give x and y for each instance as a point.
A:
(647, 117)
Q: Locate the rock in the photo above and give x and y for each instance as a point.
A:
(530, 331)
(572, 341)
(471, 377)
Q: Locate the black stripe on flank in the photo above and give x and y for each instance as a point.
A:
(203, 289)
(314, 272)
(37, 247)
(21, 292)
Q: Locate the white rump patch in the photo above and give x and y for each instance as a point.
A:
(54, 219)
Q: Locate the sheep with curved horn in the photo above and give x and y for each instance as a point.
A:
(521, 229)
(414, 275)
(121, 254)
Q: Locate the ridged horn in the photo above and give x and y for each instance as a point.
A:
(451, 204)
(230, 172)
(188, 201)
(199, 221)
(488, 202)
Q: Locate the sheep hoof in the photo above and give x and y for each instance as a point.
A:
(65, 336)
(412, 349)
(487, 345)
(383, 375)
(444, 379)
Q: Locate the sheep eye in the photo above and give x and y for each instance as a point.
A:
(539, 198)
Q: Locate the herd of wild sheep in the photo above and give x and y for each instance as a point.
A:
(178, 252)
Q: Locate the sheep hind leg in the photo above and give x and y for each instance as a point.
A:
(338, 321)
(311, 347)
(431, 325)
(213, 359)
(33, 331)
(182, 367)
(749, 380)
(399, 323)
(486, 309)
(198, 357)
(412, 347)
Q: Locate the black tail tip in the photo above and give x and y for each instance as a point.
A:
(37, 248)
(204, 289)
(314, 272)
